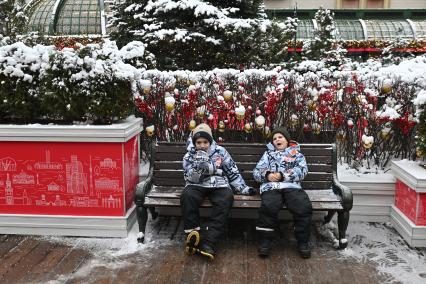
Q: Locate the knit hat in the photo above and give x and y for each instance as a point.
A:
(204, 131)
(283, 131)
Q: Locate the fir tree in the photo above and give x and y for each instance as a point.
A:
(12, 18)
(195, 34)
(324, 46)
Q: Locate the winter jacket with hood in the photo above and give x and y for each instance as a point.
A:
(289, 162)
(225, 175)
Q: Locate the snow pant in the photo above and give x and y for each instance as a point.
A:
(221, 199)
(297, 201)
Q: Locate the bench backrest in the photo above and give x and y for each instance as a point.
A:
(168, 163)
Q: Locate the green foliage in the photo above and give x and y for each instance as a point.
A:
(200, 35)
(91, 84)
(324, 45)
(12, 18)
(421, 132)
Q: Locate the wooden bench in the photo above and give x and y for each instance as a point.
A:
(165, 182)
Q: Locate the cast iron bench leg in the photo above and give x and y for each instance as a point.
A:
(343, 220)
(154, 214)
(329, 216)
(142, 214)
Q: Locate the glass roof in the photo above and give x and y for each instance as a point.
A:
(41, 16)
(375, 29)
(79, 17)
(349, 30)
(67, 17)
(305, 29)
(388, 30)
(420, 27)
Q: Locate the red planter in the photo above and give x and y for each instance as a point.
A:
(69, 170)
(411, 203)
(408, 215)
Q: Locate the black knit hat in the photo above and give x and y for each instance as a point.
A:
(283, 131)
(202, 130)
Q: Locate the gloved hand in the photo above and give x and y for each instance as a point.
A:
(248, 190)
(201, 156)
(205, 166)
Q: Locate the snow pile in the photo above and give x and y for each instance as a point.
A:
(380, 243)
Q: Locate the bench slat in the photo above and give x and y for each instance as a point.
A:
(240, 204)
(247, 175)
(242, 158)
(177, 165)
(254, 145)
(305, 184)
(314, 195)
(246, 150)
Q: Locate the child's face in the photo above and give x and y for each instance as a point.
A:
(279, 141)
(202, 144)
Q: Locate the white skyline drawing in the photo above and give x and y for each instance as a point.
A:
(108, 163)
(58, 201)
(53, 186)
(111, 202)
(48, 165)
(42, 201)
(9, 191)
(84, 201)
(76, 179)
(7, 164)
(107, 184)
(23, 178)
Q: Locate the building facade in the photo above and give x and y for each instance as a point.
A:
(346, 4)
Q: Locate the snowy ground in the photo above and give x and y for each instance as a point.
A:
(375, 243)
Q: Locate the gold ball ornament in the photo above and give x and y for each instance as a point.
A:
(221, 126)
(266, 132)
(169, 102)
(312, 106)
(248, 128)
(201, 111)
(227, 95)
(192, 124)
(260, 122)
(240, 112)
(384, 133)
(149, 130)
(367, 142)
(386, 89)
(341, 136)
(294, 120)
(419, 153)
(316, 128)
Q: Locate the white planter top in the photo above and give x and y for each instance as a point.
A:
(119, 132)
(411, 173)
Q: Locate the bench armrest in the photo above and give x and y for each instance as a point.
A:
(344, 191)
(144, 187)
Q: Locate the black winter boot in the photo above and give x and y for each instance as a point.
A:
(207, 250)
(265, 243)
(191, 242)
(304, 250)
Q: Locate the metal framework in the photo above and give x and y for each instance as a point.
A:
(67, 17)
(368, 29)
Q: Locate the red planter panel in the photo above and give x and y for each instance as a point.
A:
(411, 203)
(68, 178)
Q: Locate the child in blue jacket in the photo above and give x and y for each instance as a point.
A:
(280, 171)
(209, 171)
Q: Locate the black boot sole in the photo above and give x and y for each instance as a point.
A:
(263, 254)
